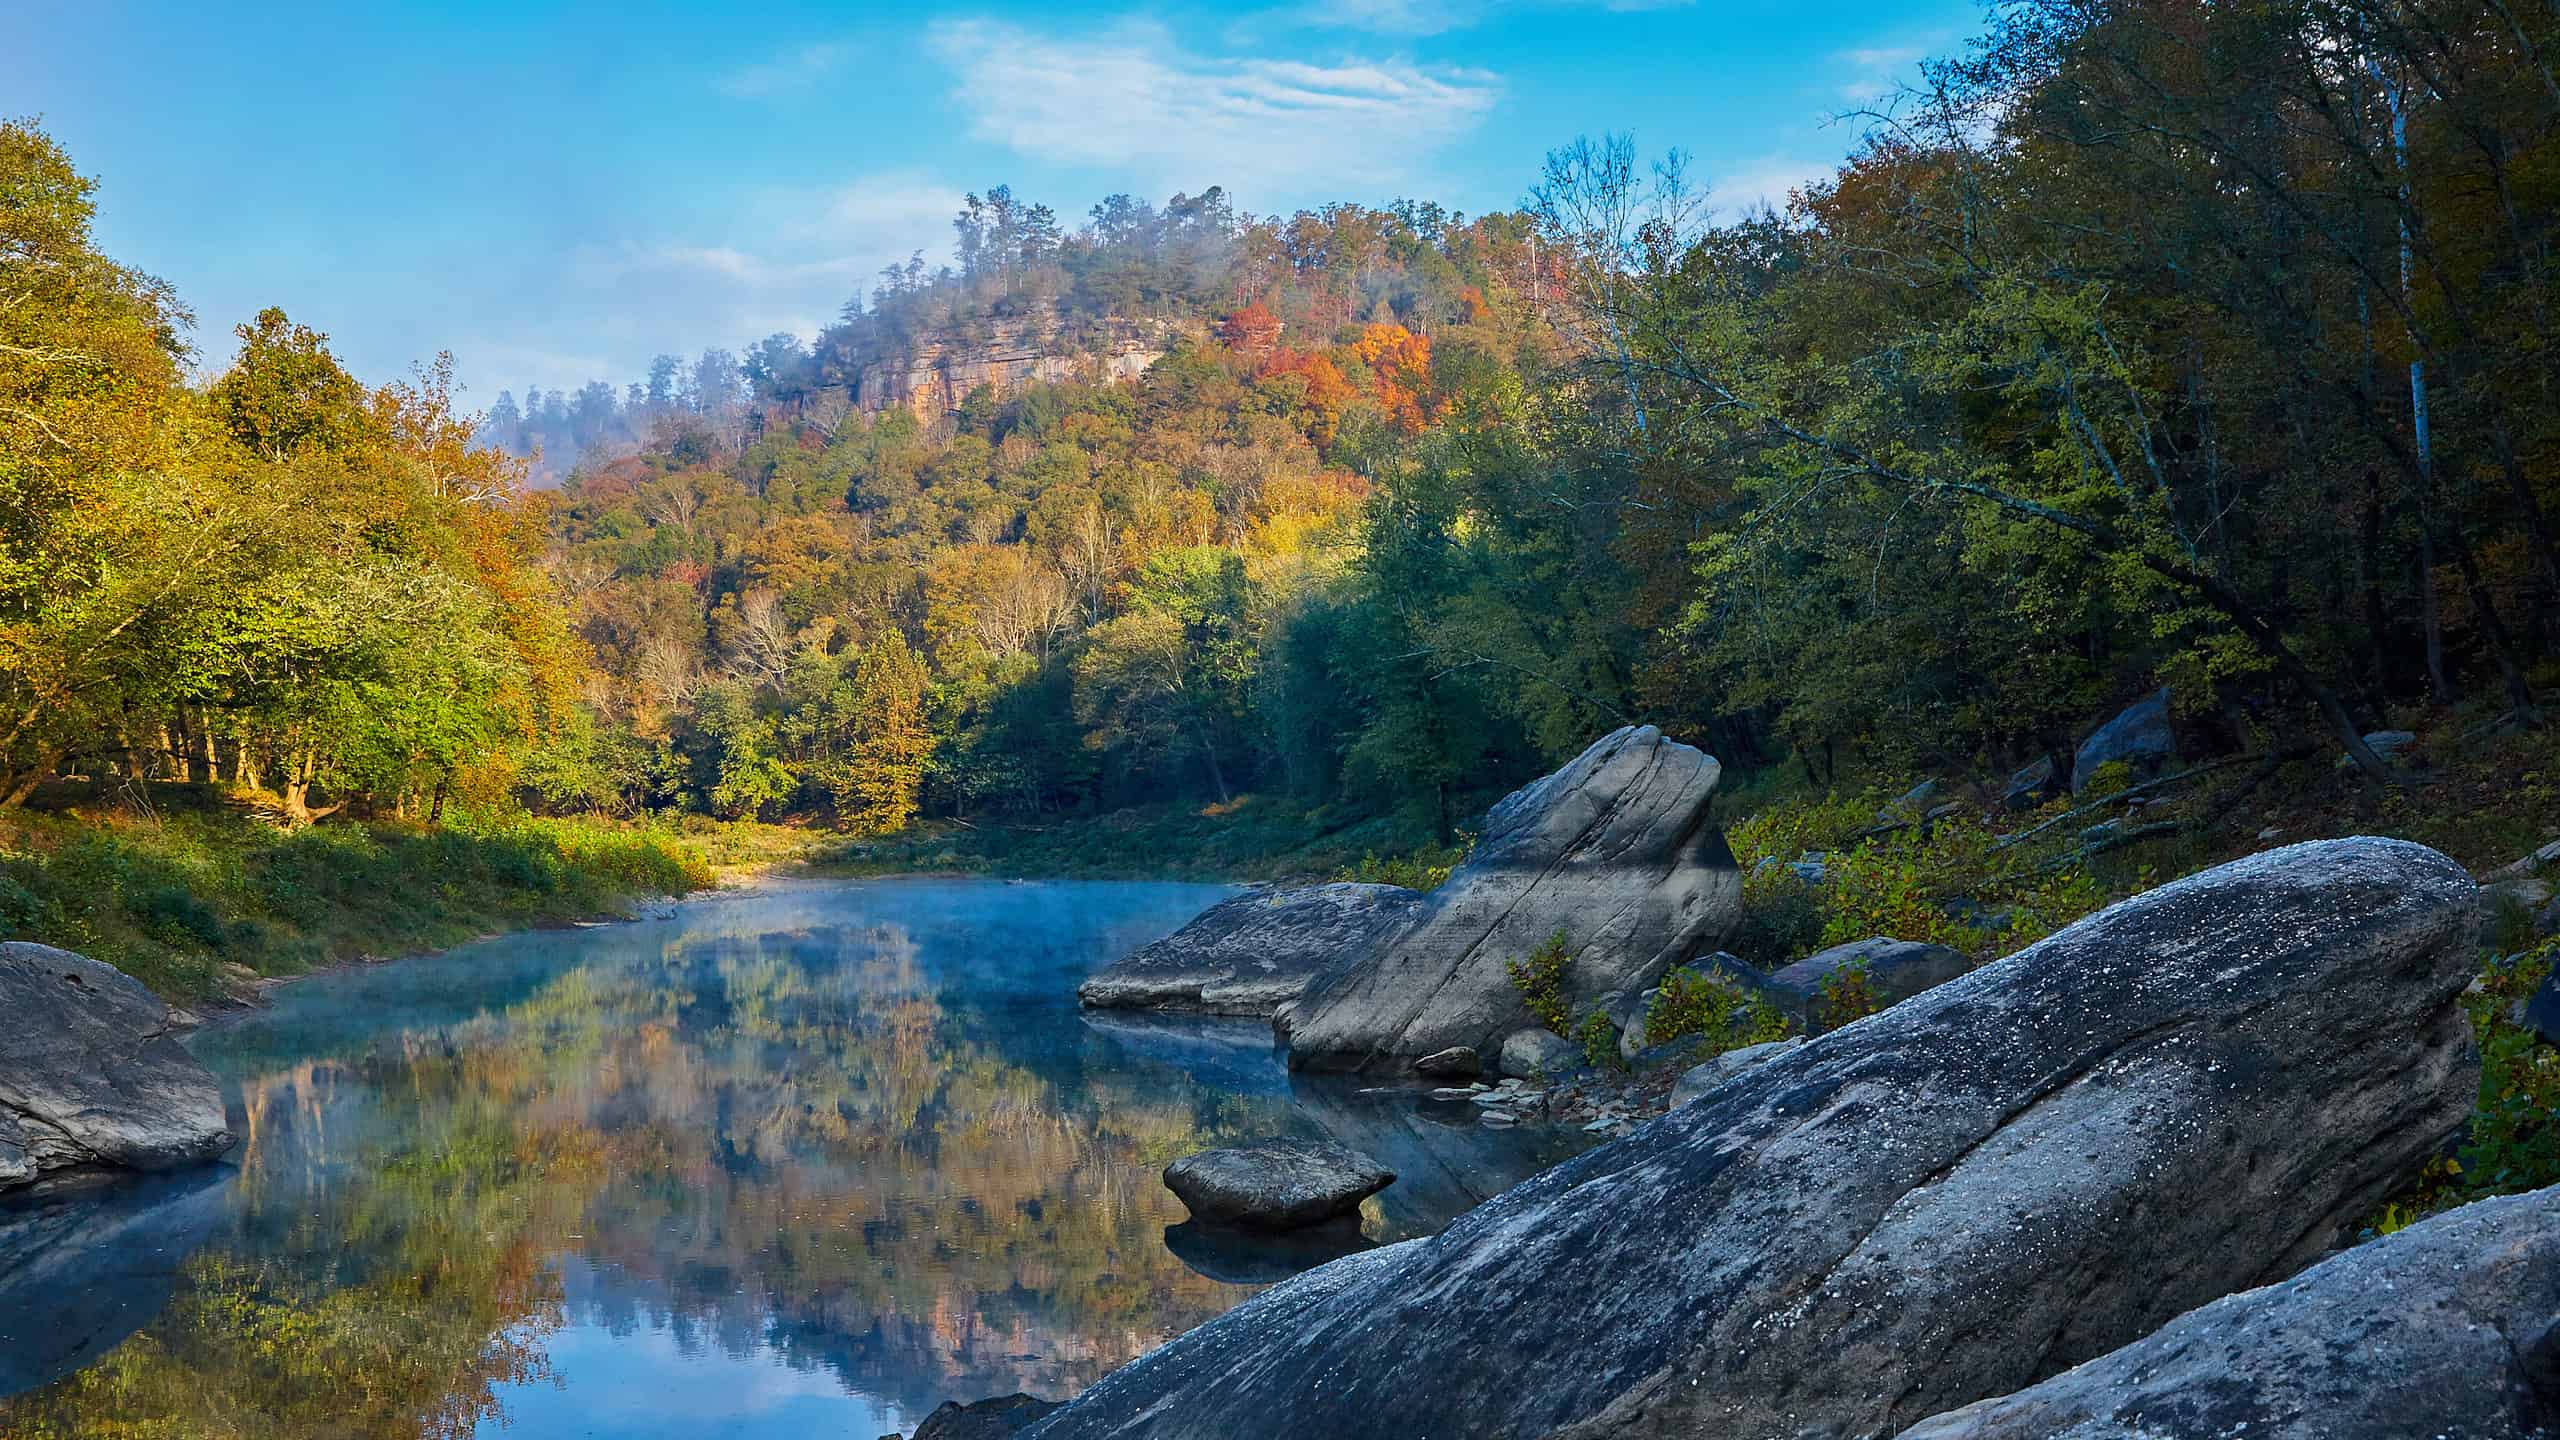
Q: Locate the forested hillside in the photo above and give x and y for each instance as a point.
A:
(2145, 345)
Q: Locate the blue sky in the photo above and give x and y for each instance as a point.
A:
(556, 194)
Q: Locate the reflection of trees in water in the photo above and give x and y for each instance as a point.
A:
(753, 1139)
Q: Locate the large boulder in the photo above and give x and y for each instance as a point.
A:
(2139, 736)
(1276, 1184)
(1614, 851)
(2449, 1329)
(92, 1074)
(1248, 955)
(2187, 1094)
(1895, 971)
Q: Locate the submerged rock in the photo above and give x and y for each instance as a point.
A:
(1276, 1184)
(1248, 955)
(1614, 851)
(2449, 1329)
(2185, 1095)
(83, 1269)
(91, 1072)
(1255, 1257)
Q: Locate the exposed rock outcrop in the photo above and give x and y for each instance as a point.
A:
(1615, 851)
(1249, 955)
(2449, 1329)
(930, 380)
(91, 1072)
(1276, 1184)
(2188, 1094)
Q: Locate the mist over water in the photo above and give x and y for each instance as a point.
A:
(796, 1162)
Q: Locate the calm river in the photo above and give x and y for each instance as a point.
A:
(801, 1162)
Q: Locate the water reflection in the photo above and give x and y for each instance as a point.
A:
(807, 1161)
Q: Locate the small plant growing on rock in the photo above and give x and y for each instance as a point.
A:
(1848, 994)
(1690, 1003)
(1425, 869)
(1599, 1041)
(1540, 981)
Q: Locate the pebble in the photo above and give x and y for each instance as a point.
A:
(1453, 1092)
(1499, 1117)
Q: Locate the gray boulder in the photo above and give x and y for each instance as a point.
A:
(1276, 1184)
(2139, 735)
(2026, 789)
(1896, 971)
(2449, 1329)
(1538, 1052)
(92, 1074)
(2542, 1011)
(998, 1419)
(1248, 955)
(1615, 851)
(1700, 1079)
(2187, 1094)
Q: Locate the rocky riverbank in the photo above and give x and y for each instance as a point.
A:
(2194, 1092)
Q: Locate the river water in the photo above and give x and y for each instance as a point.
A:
(805, 1161)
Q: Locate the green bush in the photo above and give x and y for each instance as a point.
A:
(2515, 1133)
(1599, 1041)
(1730, 1016)
(1425, 869)
(1540, 981)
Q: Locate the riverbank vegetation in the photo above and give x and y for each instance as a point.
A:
(2136, 346)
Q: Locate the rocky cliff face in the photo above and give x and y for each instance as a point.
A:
(930, 380)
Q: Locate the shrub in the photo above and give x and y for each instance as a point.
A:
(1599, 1041)
(2515, 1133)
(1540, 981)
(1424, 869)
(1848, 993)
(1726, 1013)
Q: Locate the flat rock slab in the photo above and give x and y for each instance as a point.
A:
(1276, 1184)
(2186, 1095)
(1248, 955)
(2449, 1329)
(1615, 851)
(91, 1072)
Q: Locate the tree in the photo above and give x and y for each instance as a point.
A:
(880, 786)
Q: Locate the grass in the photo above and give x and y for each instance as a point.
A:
(191, 901)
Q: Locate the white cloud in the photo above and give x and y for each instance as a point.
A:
(790, 71)
(1434, 17)
(1869, 74)
(1132, 99)
(1768, 181)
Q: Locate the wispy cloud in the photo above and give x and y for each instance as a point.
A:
(1133, 99)
(1434, 17)
(1768, 180)
(791, 71)
(1870, 73)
